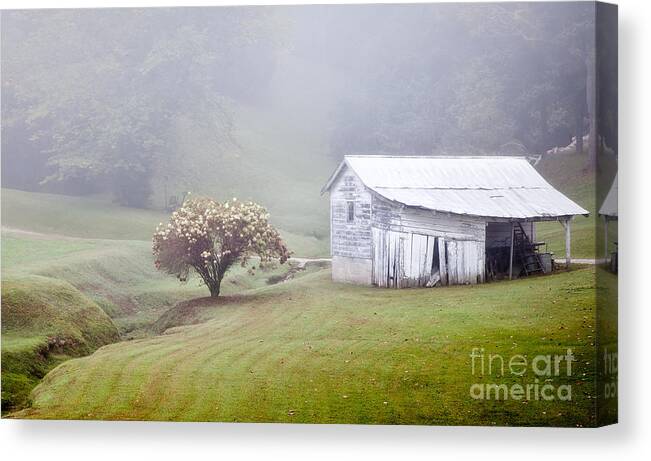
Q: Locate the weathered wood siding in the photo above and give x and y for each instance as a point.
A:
(386, 215)
(414, 247)
(350, 239)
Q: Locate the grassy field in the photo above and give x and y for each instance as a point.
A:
(116, 277)
(44, 322)
(97, 218)
(306, 350)
(567, 174)
(302, 218)
(119, 275)
(312, 351)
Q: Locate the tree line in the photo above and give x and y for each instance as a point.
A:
(90, 97)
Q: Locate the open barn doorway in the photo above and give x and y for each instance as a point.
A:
(512, 250)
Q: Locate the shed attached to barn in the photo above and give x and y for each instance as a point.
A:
(400, 221)
(608, 212)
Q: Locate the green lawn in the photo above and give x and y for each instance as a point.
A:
(44, 322)
(306, 350)
(43, 278)
(312, 351)
(119, 275)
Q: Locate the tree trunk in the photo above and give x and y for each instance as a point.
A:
(591, 99)
(578, 128)
(214, 287)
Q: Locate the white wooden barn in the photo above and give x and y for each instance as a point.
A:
(423, 221)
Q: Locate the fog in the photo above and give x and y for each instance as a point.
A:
(141, 103)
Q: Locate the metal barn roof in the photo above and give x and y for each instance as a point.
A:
(500, 187)
(609, 207)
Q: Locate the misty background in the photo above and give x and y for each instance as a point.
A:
(140, 105)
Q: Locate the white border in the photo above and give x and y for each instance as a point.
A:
(47, 440)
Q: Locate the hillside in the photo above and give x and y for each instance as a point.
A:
(44, 322)
(267, 158)
(309, 350)
(98, 218)
(567, 174)
(119, 275)
(54, 248)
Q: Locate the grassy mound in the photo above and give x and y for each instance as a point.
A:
(45, 321)
(567, 173)
(118, 275)
(312, 351)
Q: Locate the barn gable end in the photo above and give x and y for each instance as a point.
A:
(350, 239)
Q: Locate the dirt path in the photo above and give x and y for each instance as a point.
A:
(581, 261)
(301, 262)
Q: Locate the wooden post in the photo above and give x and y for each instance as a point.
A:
(511, 254)
(568, 258)
(606, 238)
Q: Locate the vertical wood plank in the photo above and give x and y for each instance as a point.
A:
(392, 259)
(427, 262)
(443, 268)
(471, 262)
(385, 260)
(481, 261)
(511, 253)
(452, 262)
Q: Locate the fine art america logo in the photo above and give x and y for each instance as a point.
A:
(541, 387)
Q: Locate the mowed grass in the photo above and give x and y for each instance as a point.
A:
(44, 277)
(312, 351)
(44, 322)
(567, 173)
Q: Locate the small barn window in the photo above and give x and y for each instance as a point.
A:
(351, 211)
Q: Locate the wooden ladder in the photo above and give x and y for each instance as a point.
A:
(526, 252)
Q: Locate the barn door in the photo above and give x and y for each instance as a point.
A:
(389, 252)
(420, 263)
(380, 257)
(402, 259)
(465, 261)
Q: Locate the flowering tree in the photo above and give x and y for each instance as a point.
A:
(209, 237)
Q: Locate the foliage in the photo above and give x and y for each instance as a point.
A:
(120, 100)
(96, 94)
(209, 237)
(467, 78)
